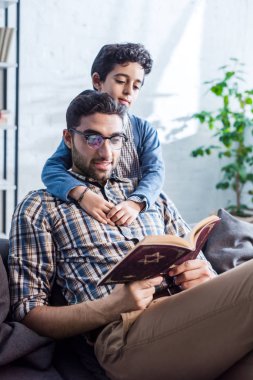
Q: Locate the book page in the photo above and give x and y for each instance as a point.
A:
(166, 240)
(196, 231)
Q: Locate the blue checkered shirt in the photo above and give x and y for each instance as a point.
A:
(53, 240)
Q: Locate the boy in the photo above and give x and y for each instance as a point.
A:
(119, 70)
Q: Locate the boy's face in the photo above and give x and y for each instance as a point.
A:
(123, 83)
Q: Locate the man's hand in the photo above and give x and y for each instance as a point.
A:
(134, 296)
(97, 207)
(61, 322)
(124, 213)
(191, 273)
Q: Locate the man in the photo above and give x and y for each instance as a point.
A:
(177, 337)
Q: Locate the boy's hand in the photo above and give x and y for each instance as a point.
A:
(124, 213)
(191, 273)
(97, 207)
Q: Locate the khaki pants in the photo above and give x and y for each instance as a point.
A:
(196, 335)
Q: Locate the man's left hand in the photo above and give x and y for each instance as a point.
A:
(191, 273)
(124, 213)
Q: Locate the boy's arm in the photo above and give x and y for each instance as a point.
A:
(152, 168)
(151, 162)
(55, 174)
(61, 184)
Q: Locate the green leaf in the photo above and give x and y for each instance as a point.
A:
(218, 88)
(240, 78)
(229, 74)
(223, 67)
(225, 100)
(222, 185)
(198, 152)
(248, 101)
(242, 176)
(226, 139)
(201, 116)
(249, 177)
(227, 153)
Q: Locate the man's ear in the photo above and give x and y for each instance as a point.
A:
(67, 136)
(96, 81)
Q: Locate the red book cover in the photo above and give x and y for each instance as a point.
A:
(154, 255)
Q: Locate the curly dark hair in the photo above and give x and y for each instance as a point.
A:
(113, 54)
(90, 102)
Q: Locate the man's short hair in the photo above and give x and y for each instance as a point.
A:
(90, 102)
(113, 54)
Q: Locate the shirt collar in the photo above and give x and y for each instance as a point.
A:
(114, 177)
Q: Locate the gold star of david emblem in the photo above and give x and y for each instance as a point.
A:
(153, 258)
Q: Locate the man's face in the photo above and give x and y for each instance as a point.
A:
(123, 83)
(97, 164)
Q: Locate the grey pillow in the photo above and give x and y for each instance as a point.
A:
(230, 243)
(4, 292)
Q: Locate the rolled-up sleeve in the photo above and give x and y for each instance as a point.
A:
(31, 257)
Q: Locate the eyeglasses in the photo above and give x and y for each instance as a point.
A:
(95, 141)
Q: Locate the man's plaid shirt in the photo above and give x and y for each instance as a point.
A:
(52, 240)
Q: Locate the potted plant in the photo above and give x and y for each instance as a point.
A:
(231, 125)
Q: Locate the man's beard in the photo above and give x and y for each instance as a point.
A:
(88, 172)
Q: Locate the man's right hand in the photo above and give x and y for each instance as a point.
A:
(135, 295)
(60, 322)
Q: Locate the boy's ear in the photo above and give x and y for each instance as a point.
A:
(67, 136)
(96, 81)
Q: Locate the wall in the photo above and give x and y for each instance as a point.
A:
(188, 40)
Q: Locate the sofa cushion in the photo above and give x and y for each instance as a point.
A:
(16, 340)
(230, 243)
(4, 249)
(4, 292)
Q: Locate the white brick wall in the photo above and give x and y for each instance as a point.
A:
(59, 39)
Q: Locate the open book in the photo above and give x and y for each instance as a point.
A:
(154, 255)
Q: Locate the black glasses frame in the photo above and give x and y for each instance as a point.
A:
(86, 136)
